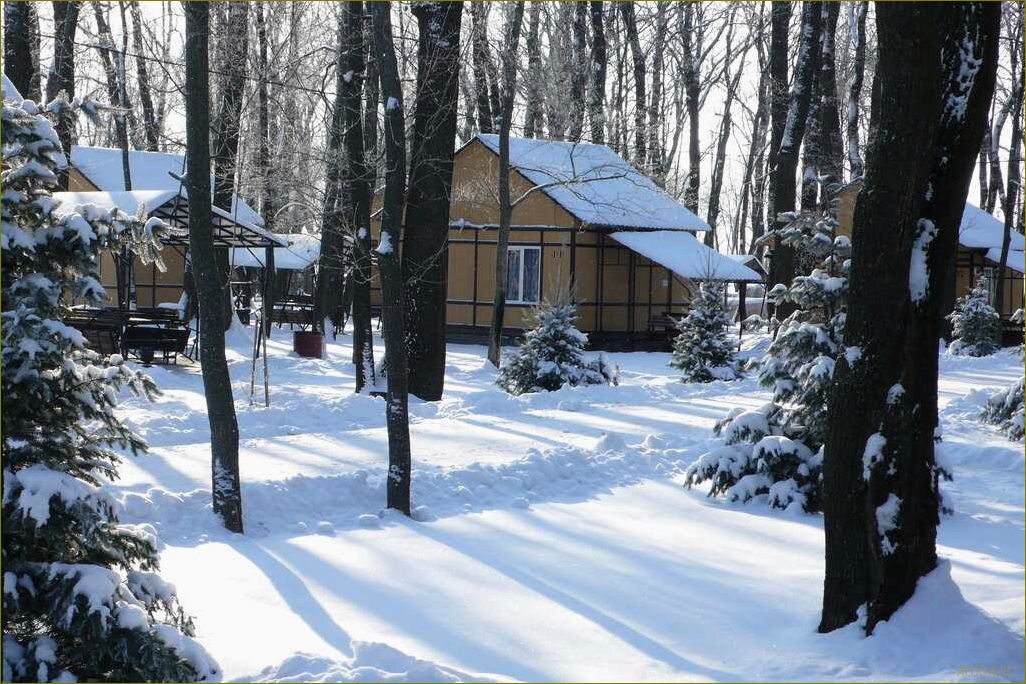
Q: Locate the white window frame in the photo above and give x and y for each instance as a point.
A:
(520, 274)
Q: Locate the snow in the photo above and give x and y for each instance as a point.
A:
(303, 251)
(149, 171)
(557, 541)
(595, 184)
(1016, 258)
(683, 254)
(887, 520)
(872, 454)
(980, 230)
(919, 271)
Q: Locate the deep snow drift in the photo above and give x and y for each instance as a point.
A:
(552, 538)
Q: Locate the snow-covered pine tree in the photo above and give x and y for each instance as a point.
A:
(1006, 409)
(975, 324)
(552, 354)
(80, 598)
(776, 449)
(702, 350)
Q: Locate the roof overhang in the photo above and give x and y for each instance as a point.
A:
(683, 254)
(173, 208)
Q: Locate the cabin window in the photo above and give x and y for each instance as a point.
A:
(522, 275)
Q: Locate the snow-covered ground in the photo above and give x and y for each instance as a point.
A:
(552, 539)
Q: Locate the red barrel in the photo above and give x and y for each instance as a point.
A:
(308, 344)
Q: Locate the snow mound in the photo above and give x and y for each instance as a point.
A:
(929, 634)
(371, 662)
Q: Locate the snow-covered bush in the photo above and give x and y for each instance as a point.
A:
(777, 450)
(975, 324)
(1005, 408)
(702, 350)
(80, 599)
(552, 354)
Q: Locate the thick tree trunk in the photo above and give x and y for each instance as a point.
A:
(881, 517)
(509, 75)
(857, 30)
(782, 181)
(396, 399)
(331, 261)
(425, 242)
(357, 189)
(62, 75)
(21, 48)
(638, 60)
(780, 19)
(267, 209)
(535, 105)
(831, 147)
(597, 98)
(217, 383)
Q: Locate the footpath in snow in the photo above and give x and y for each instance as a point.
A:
(551, 539)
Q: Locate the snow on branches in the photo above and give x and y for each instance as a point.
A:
(79, 597)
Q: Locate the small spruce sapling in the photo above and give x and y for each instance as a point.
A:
(975, 324)
(775, 451)
(81, 599)
(552, 354)
(703, 350)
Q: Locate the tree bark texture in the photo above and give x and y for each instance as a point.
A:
(217, 384)
(928, 113)
(425, 242)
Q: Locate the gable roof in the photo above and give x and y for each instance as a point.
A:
(102, 166)
(682, 253)
(595, 184)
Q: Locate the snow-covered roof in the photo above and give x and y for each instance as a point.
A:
(980, 230)
(749, 260)
(131, 201)
(1016, 258)
(683, 254)
(596, 185)
(150, 171)
(303, 250)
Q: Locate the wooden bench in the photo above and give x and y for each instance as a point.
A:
(100, 327)
(145, 340)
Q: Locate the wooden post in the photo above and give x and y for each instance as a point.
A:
(270, 278)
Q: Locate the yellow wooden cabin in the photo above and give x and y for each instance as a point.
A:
(583, 220)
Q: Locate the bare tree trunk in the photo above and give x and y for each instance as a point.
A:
(509, 76)
(228, 130)
(981, 169)
(638, 58)
(115, 88)
(1015, 50)
(578, 73)
(62, 75)
(782, 182)
(217, 383)
(357, 189)
(535, 104)
(997, 182)
(597, 99)
(881, 517)
(330, 262)
(479, 35)
(151, 128)
(726, 123)
(857, 30)
(655, 108)
(755, 176)
(396, 399)
(692, 92)
(780, 18)
(425, 241)
(21, 48)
